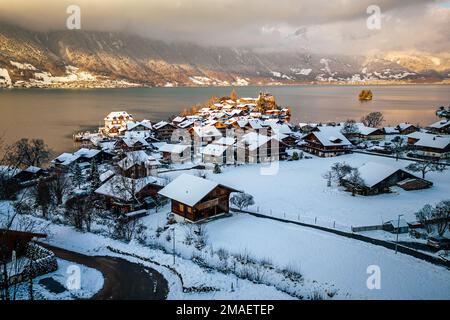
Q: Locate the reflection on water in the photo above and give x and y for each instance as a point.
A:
(55, 114)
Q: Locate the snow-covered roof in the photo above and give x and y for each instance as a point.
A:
(179, 119)
(404, 125)
(254, 140)
(440, 124)
(86, 153)
(32, 169)
(331, 136)
(118, 114)
(185, 124)
(133, 125)
(134, 158)
(373, 172)
(228, 141)
(120, 187)
(188, 189)
(433, 141)
(280, 128)
(255, 124)
(130, 141)
(65, 158)
(214, 150)
(160, 125)
(106, 175)
(207, 131)
(418, 134)
(390, 130)
(364, 130)
(173, 148)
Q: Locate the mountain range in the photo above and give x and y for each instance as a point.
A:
(103, 59)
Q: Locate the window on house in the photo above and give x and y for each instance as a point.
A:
(189, 209)
(181, 207)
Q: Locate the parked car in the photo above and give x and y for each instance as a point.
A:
(438, 242)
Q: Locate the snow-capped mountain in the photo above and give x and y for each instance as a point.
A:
(83, 58)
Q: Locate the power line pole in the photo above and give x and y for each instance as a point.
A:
(398, 231)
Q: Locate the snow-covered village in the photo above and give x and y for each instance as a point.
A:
(226, 158)
(230, 200)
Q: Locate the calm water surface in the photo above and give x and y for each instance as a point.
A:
(55, 114)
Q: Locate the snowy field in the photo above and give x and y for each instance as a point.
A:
(332, 259)
(298, 190)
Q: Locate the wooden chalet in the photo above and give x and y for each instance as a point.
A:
(203, 135)
(440, 127)
(124, 194)
(406, 128)
(164, 130)
(216, 153)
(379, 178)
(326, 142)
(131, 143)
(195, 199)
(175, 153)
(13, 240)
(429, 145)
(29, 174)
(255, 148)
(137, 164)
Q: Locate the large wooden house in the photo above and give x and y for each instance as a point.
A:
(195, 199)
(326, 142)
(116, 121)
(432, 146)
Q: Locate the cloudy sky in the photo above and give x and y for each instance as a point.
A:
(337, 26)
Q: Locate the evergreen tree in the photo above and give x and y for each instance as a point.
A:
(94, 176)
(77, 175)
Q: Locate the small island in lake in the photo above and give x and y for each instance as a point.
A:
(365, 95)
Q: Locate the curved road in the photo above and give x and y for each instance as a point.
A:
(123, 280)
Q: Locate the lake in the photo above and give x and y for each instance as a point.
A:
(55, 114)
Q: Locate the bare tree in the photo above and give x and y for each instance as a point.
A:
(25, 153)
(424, 216)
(79, 211)
(441, 216)
(355, 180)
(59, 186)
(242, 200)
(42, 196)
(398, 146)
(426, 166)
(373, 119)
(349, 127)
(340, 170)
